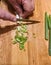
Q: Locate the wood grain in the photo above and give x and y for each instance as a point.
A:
(36, 48)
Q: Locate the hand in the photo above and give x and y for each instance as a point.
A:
(23, 7)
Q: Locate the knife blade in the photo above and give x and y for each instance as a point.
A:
(27, 20)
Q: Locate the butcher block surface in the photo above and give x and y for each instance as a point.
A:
(36, 48)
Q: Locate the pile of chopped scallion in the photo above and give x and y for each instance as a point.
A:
(21, 35)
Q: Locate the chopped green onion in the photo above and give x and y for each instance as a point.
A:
(20, 36)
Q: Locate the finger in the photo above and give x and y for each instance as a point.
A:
(16, 6)
(26, 14)
(6, 15)
(28, 7)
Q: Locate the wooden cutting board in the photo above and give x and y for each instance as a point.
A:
(36, 48)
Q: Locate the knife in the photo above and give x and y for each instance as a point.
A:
(27, 20)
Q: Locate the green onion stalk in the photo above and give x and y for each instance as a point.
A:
(48, 28)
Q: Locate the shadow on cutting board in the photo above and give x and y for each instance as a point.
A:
(12, 27)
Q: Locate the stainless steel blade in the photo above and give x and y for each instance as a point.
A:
(27, 20)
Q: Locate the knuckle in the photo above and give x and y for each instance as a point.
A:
(28, 5)
(30, 9)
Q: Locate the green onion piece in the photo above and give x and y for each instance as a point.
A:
(46, 26)
(50, 35)
(14, 41)
(20, 39)
(50, 42)
(50, 21)
(21, 46)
